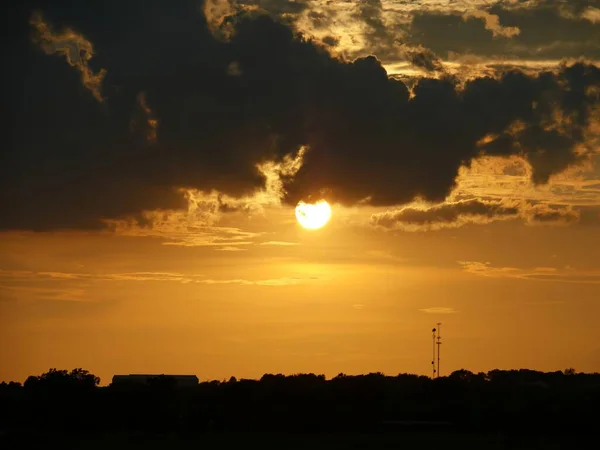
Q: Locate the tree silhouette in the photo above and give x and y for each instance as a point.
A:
(56, 379)
(521, 400)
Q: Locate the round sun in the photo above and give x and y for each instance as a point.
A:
(313, 215)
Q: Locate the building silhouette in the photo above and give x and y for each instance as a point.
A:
(146, 379)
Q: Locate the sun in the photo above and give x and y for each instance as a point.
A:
(313, 216)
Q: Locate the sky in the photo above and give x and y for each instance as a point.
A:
(153, 154)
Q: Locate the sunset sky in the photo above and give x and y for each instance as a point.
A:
(153, 153)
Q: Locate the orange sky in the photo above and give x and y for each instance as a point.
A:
(151, 164)
(346, 298)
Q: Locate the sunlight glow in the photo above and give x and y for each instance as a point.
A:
(313, 216)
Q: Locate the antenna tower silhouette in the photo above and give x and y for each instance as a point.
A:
(436, 341)
(433, 357)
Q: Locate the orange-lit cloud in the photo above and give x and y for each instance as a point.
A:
(592, 14)
(245, 282)
(216, 13)
(198, 225)
(492, 23)
(230, 248)
(510, 178)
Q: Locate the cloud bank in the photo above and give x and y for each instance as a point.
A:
(175, 117)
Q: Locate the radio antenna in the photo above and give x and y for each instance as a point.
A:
(433, 357)
(438, 343)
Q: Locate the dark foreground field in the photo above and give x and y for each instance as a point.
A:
(293, 441)
(517, 409)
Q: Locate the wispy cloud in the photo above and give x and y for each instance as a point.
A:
(60, 275)
(229, 248)
(59, 285)
(279, 243)
(146, 276)
(25, 275)
(563, 275)
(281, 281)
(65, 294)
(265, 282)
(439, 310)
(384, 255)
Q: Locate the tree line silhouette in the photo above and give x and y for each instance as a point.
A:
(516, 400)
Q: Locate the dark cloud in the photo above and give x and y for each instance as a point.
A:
(382, 38)
(543, 214)
(423, 58)
(446, 215)
(330, 41)
(473, 211)
(69, 160)
(543, 30)
(571, 9)
(319, 19)
(278, 7)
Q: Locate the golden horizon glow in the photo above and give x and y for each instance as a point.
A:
(313, 216)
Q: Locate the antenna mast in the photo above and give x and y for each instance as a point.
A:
(433, 357)
(438, 343)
